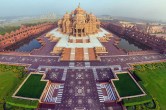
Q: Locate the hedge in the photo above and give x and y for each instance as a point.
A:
(137, 100)
(24, 104)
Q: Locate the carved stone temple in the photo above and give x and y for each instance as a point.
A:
(79, 37)
(79, 23)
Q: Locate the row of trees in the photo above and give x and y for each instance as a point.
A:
(152, 105)
(150, 66)
(19, 70)
(10, 103)
(145, 102)
(8, 29)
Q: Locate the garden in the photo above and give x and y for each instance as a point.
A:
(33, 87)
(126, 86)
(153, 78)
(10, 78)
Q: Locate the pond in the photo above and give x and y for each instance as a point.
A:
(130, 45)
(26, 46)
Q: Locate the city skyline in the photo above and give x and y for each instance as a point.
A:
(143, 9)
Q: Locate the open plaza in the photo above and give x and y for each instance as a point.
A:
(79, 67)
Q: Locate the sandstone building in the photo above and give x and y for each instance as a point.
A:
(156, 29)
(24, 32)
(79, 23)
(79, 37)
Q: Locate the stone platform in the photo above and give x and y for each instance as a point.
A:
(78, 54)
(67, 41)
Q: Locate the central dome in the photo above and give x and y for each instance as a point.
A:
(79, 10)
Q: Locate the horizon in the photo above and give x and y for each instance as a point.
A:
(140, 9)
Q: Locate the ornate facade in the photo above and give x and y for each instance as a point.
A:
(24, 32)
(156, 43)
(156, 29)
(79, 23)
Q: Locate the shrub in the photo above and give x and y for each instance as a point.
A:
(130, 108)
(137, 100)
(22, 103)
(150, 105)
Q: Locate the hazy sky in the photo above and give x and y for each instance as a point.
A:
(148, 9)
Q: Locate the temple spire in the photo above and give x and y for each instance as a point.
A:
(79, 5)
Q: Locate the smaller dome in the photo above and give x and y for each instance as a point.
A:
(7, 34)
(12, 33)
(67, 16)
(23, 26)
(91, 15)
(60, 21)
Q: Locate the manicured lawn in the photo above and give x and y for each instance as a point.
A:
(8, 81)
(126, 86)
(33, 87)
(10, 78)
(154, 81)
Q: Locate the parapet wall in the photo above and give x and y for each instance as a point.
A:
(133, 33)
(24, 32)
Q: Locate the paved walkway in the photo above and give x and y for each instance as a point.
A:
(37, 60)
(79, 78)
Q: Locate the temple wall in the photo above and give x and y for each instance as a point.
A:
(156, 29)
(24, 32)
(152, 41)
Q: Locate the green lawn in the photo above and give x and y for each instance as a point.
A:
(8, 81)
(10, 78)
(126, 86)
(33, 87)
(154, 80)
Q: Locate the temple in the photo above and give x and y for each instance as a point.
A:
(79, 37)
(80, 63)
(79, 23)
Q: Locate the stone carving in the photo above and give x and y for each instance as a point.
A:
(79, 23)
